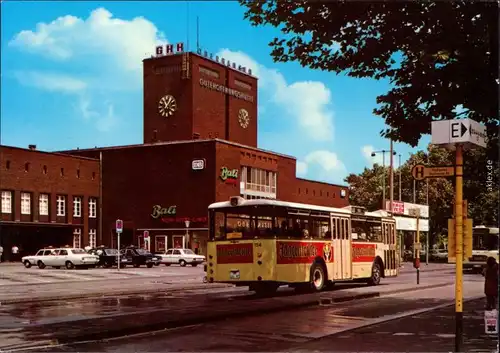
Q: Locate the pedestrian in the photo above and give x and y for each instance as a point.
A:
(490, 274)
(15, 252)
(1, 253)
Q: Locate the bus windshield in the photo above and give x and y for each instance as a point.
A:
(483, 239)
(266, 222)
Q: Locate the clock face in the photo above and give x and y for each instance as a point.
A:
(167, 106)
(243, 118)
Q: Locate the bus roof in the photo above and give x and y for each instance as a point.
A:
(267, 202)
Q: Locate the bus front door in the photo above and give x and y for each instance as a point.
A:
(389, 238)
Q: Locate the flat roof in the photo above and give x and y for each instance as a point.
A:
(59, 154)
(180, 142)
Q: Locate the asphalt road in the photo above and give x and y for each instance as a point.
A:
(287, 329)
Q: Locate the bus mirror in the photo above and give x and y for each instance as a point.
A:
(236, 200)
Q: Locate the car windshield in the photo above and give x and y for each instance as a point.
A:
(188, 251)
(142, 252)
(111, 251)
(78, 251)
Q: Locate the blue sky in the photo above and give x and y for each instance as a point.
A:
(71, 77)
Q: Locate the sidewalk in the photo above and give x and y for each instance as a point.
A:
(433, 331)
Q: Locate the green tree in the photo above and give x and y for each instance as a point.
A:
(366, 188)
(437, 55)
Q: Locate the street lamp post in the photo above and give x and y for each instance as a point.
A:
(374, 153)
(399, 177)
(186, 237)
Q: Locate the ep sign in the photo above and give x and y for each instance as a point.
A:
(463, 131)
(198, 164)
(119, 226)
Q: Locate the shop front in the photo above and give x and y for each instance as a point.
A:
(170, 231)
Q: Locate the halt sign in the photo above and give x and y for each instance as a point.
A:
(119, 226)
(421, 172)
(146, 234)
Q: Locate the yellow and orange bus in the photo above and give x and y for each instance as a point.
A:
(267, 243)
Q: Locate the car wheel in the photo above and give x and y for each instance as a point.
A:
(27, 264)
(194, 264)
(376, 275)
(69, 265)
(149, 265)
(41, 265)
(318, 277)
(182, 263)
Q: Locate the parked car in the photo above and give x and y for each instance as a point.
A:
(58, 257)
(138, 257)
(181, 257)
(108, 257)
(439, 255)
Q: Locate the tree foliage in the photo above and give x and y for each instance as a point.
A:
(366, 187)
(437, 55)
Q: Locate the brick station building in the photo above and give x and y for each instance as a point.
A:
(47, 199)
(199, 147)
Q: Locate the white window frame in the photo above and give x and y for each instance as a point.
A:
(77, 206)
(25, 203)
(77, 238)
(61, 206)
(6, 201)
(92, 207)
(93, 238)
(43, 204)
(262, 183)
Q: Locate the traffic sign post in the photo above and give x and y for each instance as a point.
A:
(119, 230)
(145, 236)
(457, 135)
(415, 212)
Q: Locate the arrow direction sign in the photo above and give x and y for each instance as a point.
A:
(464, 131)
(421, 172)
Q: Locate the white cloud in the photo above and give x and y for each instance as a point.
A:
(323, 165)
(50, 81)
(111, 42)
(308, 102)
(109, 50)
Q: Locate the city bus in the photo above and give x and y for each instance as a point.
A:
(484, 245)
(264, 244)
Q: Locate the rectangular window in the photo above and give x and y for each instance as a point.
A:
(92, 207)
(77, 235)
(92, 238)
(61, 205)
(259, 183)
(25, 203)
(77, 206)
(6, 202)
(43, 204)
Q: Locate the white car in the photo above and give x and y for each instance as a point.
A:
(181, 257)
(58, 257)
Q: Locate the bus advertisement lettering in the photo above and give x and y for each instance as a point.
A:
(292, 252)
(235, 253)
(363, 252)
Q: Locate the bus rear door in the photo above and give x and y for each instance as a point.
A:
(346, 248)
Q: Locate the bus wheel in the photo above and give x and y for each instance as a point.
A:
(374, 280)
(318, 277)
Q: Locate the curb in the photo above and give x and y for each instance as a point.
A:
(109, 294)
(163, 322)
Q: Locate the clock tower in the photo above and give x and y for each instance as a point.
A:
(198, 96)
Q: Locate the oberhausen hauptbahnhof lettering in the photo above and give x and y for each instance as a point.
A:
(199, 118)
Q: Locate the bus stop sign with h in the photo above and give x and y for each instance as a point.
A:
(458, 135)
